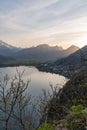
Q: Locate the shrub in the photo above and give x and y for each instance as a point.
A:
(45, 126)
(77, 109)
(76, 119)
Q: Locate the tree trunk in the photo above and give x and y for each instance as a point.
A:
(6, 125)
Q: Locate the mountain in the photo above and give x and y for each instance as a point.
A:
(73, 93)
(41, 52)
(45, 52)
(75, 58)
(46, 46)
(71, 50)
(6, 49)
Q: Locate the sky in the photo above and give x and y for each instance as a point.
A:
(26, 23)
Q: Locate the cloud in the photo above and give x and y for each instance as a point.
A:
(40, 19)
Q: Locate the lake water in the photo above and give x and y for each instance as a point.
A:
(39, 80)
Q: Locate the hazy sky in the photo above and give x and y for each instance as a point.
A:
(31, 22)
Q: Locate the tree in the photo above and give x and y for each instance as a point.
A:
(12, 98)
(47, 102)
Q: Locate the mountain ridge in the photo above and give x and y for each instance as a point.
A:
(7, 49)
(74, 58)
(42, 52)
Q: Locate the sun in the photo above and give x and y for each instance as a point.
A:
(82, 42)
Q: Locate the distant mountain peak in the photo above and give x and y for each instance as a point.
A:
(48, 46)
(43, 45)
(74, 47)
(2, 43)
(7, 49)
(74, 58)
(59, 47)
(71, 50)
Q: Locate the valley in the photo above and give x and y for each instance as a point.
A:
(41, 56)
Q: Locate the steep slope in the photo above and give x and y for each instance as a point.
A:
(75, 89)
(6, 49)
(74, 92)
(75, 58)
(71, 50)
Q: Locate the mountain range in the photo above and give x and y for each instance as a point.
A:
(41, 52)
(75, 58)
(57, 58)
(45, 52)
(69, 64)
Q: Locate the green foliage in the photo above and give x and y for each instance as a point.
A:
(45, 126)
(84, 85)
(77, 109)
(21, 62)
(76, 119)
(76, 122)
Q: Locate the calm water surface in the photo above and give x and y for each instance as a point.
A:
(39, 80)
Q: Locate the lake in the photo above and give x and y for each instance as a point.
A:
(39, 80)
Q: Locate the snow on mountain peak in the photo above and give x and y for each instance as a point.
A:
(6, 45)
